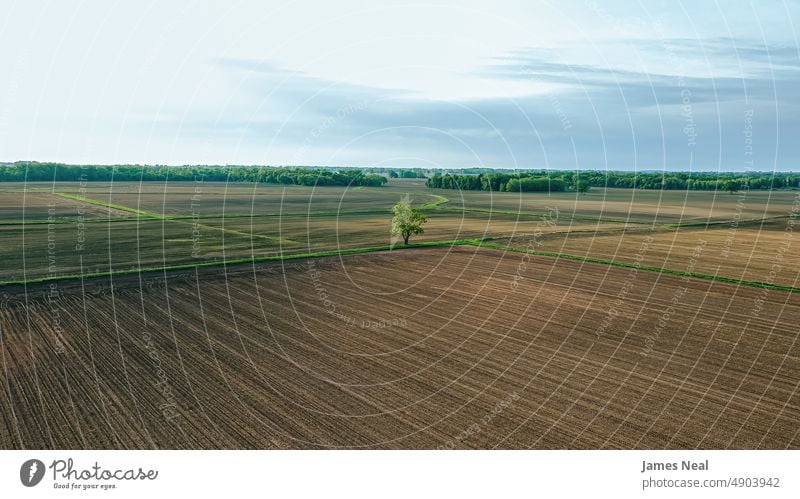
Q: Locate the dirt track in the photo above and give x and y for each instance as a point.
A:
(423, 348)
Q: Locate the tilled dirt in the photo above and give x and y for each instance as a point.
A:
(424, 348)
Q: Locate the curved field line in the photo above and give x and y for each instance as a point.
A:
(439, 201)
(148, 215)
(119, 207)
(482, 243)
(238, 261)
(660, 270)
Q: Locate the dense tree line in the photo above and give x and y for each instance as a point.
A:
(486, 180)
(553, 181)
(35, 172)
(502, 182)
(703, 181)
(414, 173)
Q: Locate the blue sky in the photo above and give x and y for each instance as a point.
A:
(654, 85)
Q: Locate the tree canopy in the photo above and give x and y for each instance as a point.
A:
(407, 221)
(560, 180)
(32, 171)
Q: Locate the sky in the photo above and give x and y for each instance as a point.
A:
(586, 84)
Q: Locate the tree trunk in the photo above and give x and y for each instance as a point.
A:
(405, 237)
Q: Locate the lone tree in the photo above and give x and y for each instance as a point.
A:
(407, 221)
(582, 186)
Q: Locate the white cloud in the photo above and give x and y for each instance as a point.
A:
(246, 82)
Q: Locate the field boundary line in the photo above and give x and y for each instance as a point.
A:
(535, 214)
(660, 270)
(434, 205)
(746, 221)
(251, 235)
(119, 207)
(157, 218)
(240, 261)
(147, 215)
(480, 243)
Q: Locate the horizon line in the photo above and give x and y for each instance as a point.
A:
(453, 168)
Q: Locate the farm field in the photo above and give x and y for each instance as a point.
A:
(131, 225)
(638, 206)
(326, 233)
(215, 199)
(427, 347)
(397, 229)
(764, 252)
(70, 249)
(38, 205)
(155, 225)
(169, 199)
(480, 352)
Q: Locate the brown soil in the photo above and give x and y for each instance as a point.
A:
(424, 348)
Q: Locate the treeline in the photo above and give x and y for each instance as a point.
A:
(32, 171)
(701, 181)
(556, 181)
(413, 173)
(498, 182)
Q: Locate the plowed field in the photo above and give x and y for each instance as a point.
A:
(420, 348)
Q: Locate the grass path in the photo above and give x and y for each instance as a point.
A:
(661, 270)
(239, 261)
(144, 216)
(482, 243)
(437, 205)
(97, 202)
(148, 215)
(281, 240)
(434, 205)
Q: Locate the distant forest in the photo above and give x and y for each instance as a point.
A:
(471, 179)
(31, 171)
(555, 181)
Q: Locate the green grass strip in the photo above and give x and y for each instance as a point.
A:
(534, 214)
(439, 201)
(239, 261)
(146, 214)
(155, 217)
(661, 270)
(251, 235)
(735, 223)
(481, 243)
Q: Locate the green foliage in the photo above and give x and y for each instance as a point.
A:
(556, 181)
(411, 174)
(731, 186)
(407, 221)
(31, 171)
(535, 184)
(470, 179)
(498, 182)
